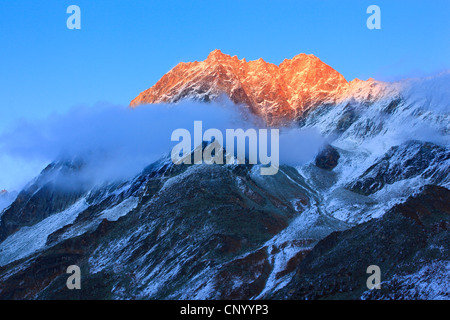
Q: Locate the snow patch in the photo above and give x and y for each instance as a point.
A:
(28, 240)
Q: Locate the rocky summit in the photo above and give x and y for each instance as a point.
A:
(276, 93)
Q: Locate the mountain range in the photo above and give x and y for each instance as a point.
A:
(376, 194)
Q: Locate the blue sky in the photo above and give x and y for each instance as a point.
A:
(125, 46)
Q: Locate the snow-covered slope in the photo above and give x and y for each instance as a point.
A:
(388, 147)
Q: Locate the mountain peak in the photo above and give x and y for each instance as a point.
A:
(303, 56)
(217, 54)
(276, 93)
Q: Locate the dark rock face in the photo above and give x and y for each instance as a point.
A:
(327, 158)
(412, 235)
(347, 119)
(411, 159)
(254, 266)
(393, 105)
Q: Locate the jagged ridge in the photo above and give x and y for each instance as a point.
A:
(276, 93)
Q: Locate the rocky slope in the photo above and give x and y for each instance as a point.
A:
(47, 194)
(411, 241)
(164, 234)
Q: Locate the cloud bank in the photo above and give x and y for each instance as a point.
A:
(117, 142)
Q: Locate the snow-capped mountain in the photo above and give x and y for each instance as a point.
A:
(376, 194)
